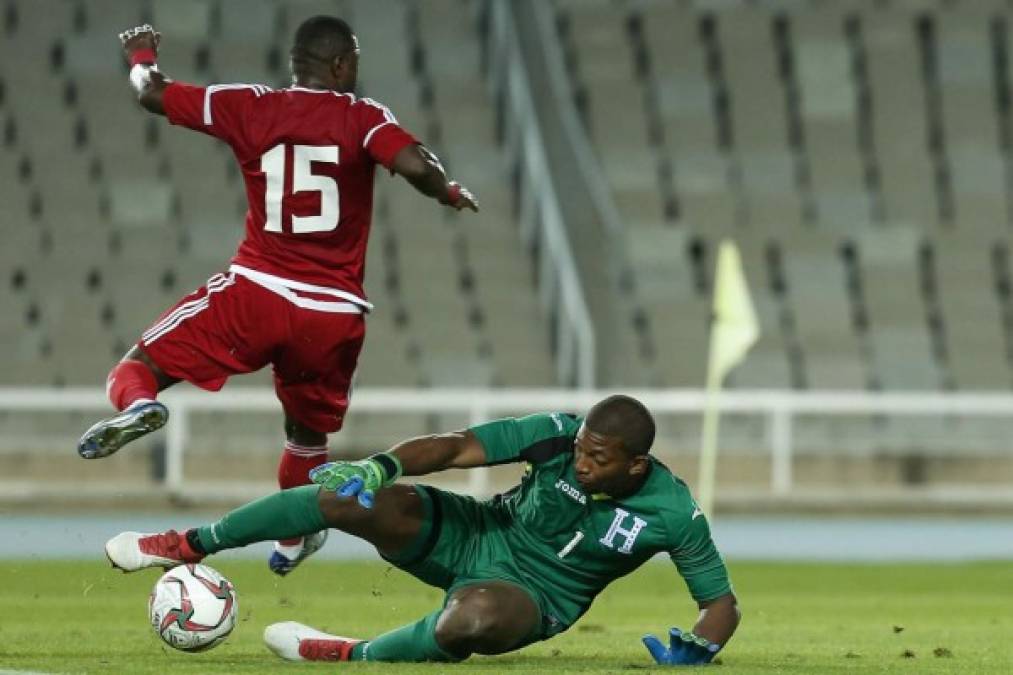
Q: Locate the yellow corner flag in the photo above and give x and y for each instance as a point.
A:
(734, 329)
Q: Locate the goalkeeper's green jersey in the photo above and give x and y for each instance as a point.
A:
(571, 544)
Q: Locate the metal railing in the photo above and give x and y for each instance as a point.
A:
(587, 164)
(561, 293)
(780, 410)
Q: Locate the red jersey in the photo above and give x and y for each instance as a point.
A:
(308, 157)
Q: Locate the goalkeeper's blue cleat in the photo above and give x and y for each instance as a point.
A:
(284, 559)
(685, 649)
(106, 437)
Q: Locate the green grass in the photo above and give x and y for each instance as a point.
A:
(798, 618)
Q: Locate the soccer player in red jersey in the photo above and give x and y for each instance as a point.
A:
(292, 296)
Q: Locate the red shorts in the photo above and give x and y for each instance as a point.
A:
(232, 326)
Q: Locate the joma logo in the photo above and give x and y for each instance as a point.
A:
(571, 492)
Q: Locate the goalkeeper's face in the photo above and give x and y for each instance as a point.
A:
(602, 464)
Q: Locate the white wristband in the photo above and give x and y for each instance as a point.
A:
(140, 76)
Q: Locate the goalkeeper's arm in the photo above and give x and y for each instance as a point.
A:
(415, 457)
(140, 48)
(714, 627)
(438, 452)
(718, 618)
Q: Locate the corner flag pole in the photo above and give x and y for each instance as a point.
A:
(734, 329)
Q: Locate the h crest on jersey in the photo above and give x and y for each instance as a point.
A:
(617, 528)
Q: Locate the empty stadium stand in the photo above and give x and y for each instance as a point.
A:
(857, 152)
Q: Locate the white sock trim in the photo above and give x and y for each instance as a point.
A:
(305, 450)
(290, 551)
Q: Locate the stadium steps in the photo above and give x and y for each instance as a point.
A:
(844, 137)
(976, 349)
(900, 130)
(254, 21)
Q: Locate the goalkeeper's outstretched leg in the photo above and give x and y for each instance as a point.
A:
(489, 617)
(393, 524)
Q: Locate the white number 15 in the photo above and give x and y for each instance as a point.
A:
(272, 163)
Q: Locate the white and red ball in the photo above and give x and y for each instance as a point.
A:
(193, 608)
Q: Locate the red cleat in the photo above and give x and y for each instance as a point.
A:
(297, 642)
(132, 551)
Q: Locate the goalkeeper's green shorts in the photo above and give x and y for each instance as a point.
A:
(461, 545)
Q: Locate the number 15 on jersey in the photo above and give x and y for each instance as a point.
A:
(272, 163)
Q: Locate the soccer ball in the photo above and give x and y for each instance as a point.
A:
(193, 608)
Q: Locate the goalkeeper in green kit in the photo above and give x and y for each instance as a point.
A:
(518, 568)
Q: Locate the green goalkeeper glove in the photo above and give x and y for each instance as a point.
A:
(359, 479)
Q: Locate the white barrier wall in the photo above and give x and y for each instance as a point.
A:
(780, 411)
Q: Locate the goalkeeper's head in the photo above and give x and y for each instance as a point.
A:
(610, 451)
(325, 53)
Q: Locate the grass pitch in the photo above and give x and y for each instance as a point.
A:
(74, 617)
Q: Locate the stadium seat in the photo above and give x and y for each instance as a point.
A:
(816, 289)
(138, 202)
(757, 100)
(17, 194)
(183, 19)
(899, 118)
(239, 60)
(73, 242)
(31, 20)
(251, 21)
(367, 432)
(976, 349)
(385, 360)
(901, 352)
(113, 16)
(702, 182)
(94, 53)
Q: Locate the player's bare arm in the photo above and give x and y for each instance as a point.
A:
(414, 457)
(439, 452)
(717, 622)
(420, 167)
(140, 48)
(718, 619)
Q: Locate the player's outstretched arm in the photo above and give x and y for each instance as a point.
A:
(714, 627)
(718, 618)
(423, 170)
(140, 48)
(414, 457)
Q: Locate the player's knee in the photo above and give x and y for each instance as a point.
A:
(299, 433)
(136, 354)
(474, 625)
(463, 633)
(340, 512)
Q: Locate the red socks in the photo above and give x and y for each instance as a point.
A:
(296, 462)
(130, 381)
(294, 469)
